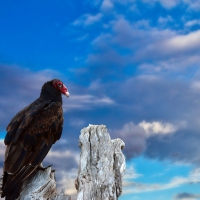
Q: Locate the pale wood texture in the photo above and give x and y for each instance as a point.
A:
(42, 186)
(101, 168)
(101, 165)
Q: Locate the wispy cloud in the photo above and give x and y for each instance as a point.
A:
(2, 153)
(193, 22)
(183, 42)
(157, 128)
(135, 136)
(163, 21)
(134, 187)
(130, 173)
(166, 4)
(87, 19)
(86, 102)
(193, 5)
(66, 181)
(106, 5)
(65, 162)
(136, 146)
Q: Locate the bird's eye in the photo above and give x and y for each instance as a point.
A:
(60, 85)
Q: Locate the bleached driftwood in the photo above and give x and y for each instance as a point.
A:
(42, 186)
(101, 165)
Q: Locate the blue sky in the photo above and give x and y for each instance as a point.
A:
(131, 65)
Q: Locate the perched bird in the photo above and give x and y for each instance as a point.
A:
(30, 135)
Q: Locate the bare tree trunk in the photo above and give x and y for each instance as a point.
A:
(41, 185)
(101, 166)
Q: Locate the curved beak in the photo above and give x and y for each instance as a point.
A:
(67, 94)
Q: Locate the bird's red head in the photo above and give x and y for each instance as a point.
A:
(60, 86)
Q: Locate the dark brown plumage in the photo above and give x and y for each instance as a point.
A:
(30, 135)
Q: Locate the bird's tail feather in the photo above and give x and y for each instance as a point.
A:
(15, 193)
(14, 182)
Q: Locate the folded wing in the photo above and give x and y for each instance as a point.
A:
(29, 138)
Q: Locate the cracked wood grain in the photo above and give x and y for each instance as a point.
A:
(101, 169)
(101, 165)
(41, 185)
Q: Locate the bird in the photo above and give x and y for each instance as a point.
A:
(30, 135)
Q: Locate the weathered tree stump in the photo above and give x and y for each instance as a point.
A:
(41, 185)
(101, 165)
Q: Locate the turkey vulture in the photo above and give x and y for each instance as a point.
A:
(30, 135)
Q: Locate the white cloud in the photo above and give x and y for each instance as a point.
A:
(130, 173)
(77, 122)
(193, 22)
(86, 102)
(2, 148)
(143, 24)
(196, 86)
(165, 20)
(169, 47)
(67, 182)
(134, 8)
(87, 19)
(192, 178)
(142, 41)
(171, 64)
(106, 5)
(65, 163)
(52, 155)
(183, 42)
(2, 153)
(168, 4)
(135, 136)
(66, 169)
(145, 42)
(193, 5)
(157, 127)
